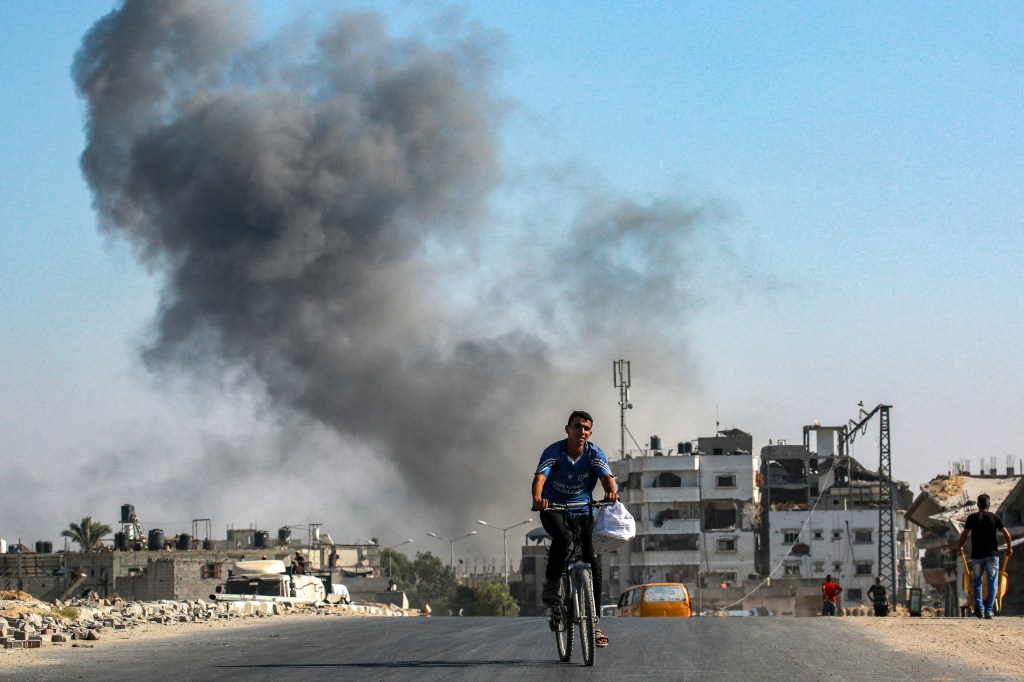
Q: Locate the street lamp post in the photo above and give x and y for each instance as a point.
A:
(504, 541)
(390, 550)
(451, 542)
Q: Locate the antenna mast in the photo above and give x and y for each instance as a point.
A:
(621, 380)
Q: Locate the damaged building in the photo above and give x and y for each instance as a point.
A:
(940, 510)
(151, 566)
(697, 512)
(821, 517)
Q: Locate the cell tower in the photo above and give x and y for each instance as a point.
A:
(621, 379)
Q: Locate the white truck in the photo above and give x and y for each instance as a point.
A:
(268, 580)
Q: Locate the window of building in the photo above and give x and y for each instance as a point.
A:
(667, 479)
(790, 536)
(720, 515)
(862, 536)
(211, 571)
(855, 594)
(725, 480)
(726, 544)
(792, 569)
(681, 510)
(864, 567)
(819, 566)
(837, 535)
(818, 534)
(837, 566)
(671, 543)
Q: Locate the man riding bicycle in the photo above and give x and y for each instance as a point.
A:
(566, 474)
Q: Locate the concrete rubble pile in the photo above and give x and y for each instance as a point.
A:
(28, 623)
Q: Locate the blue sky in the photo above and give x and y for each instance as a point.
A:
(863, 162)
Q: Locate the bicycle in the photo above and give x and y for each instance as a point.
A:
(576, 604)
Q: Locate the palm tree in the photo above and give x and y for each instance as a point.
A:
(88, 535)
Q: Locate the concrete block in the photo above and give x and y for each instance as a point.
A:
(58, 638)
(33, 643)
(14, 645)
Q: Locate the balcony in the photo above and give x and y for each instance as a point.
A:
(676, 558)
(669, 527)
(664, 495)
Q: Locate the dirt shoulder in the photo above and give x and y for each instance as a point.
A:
(985, 644)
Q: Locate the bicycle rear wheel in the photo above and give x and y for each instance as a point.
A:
(561, 620)
(588, 615)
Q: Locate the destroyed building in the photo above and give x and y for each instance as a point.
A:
(821, 517)
(940, 510)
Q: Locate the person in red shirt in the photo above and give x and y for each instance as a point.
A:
(829, 592)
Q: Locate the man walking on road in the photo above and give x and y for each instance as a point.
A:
(879, 598)
(981, 526)
(829, 592)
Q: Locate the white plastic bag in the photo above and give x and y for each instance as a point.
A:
(613, 527)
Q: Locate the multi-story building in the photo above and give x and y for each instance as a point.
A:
(821, 517)
(696, 512)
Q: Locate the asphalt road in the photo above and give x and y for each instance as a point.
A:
(448, 649)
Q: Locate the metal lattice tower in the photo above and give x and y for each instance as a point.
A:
(886, 525)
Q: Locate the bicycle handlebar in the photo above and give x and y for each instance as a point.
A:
(577, 505)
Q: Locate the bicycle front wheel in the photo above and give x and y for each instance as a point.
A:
(588, 615)
(561, 620)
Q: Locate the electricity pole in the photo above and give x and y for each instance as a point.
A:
(886, 524)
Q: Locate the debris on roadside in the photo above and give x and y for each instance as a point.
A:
(27, 623)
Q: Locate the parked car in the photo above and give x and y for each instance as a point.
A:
(655, 599)
(608, 610)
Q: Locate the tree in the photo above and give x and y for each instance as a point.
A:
(494, 599)
(400, 566)
(435, 584)
(463, 600)
(88, 534)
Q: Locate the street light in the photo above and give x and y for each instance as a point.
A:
(392, 547)
(504, 541)
(451, 542)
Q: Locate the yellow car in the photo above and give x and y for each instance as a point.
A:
(655, 599)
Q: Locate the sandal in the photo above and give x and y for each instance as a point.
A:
(600, 639)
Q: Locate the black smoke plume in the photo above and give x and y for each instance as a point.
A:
(318, 210)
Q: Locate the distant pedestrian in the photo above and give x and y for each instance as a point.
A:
(829, 592)
(981, 526)
(879, 597)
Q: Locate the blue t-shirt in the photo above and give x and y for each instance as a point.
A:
(568, 482)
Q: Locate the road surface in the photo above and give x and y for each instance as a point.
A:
(349, 648)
